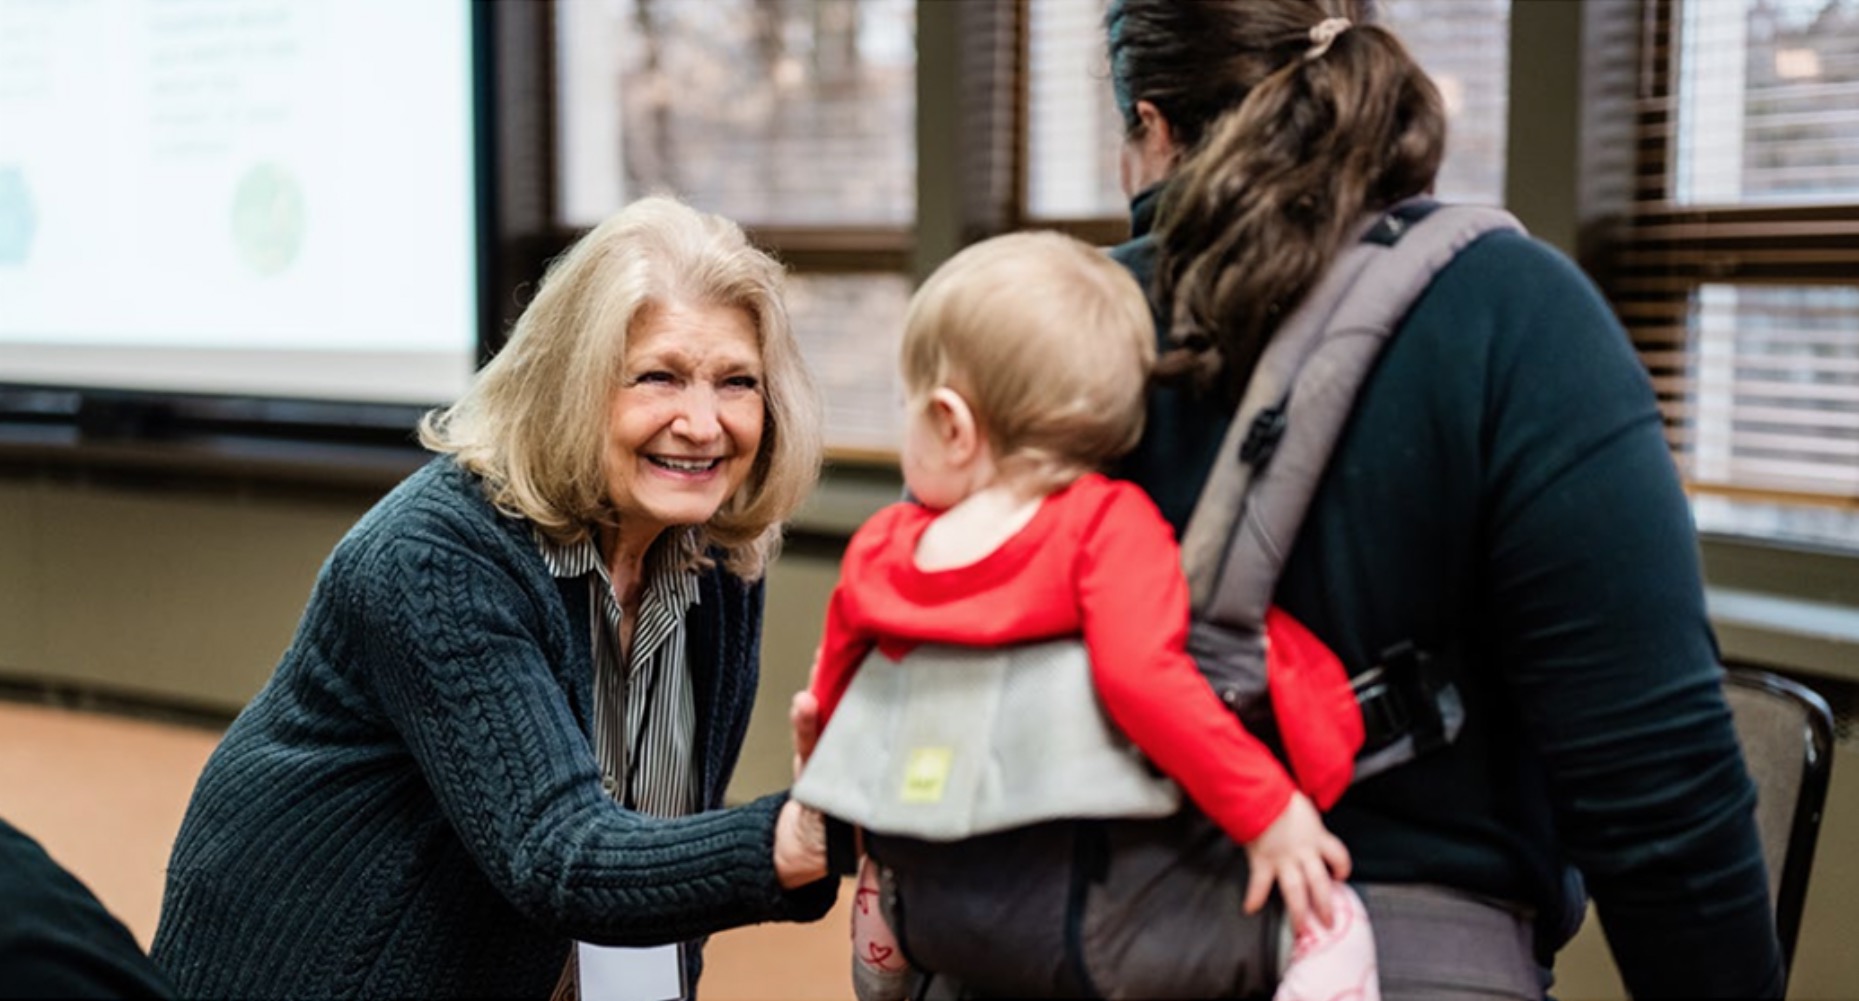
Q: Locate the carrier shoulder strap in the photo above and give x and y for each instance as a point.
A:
(1300, 397)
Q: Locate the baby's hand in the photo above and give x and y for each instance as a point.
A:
(803, 717)
(1299, 854)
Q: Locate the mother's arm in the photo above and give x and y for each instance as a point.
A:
(1597, 593)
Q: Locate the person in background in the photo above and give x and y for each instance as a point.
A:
(57, 940)
(508, 717)
(1024, 359)
(1502, 500)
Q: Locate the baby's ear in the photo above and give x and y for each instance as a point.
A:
(955, 424)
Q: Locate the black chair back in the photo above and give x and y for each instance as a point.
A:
(1787, 735)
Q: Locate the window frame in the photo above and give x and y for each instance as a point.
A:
(825, 250)
(1654, 258)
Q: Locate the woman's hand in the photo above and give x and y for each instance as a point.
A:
(1300, 855)
(800, 846)
(800, 832)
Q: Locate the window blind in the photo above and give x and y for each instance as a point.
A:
(1073, 129)
(770, 112)
(1737, 269)
(1465, 47)
(795, 118)
(851, 327)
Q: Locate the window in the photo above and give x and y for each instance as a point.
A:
(851, 327)
(1073, 128)
(798, 118)
(795, 118)
(1465, 47)
(1735, 270)
(1767, 101)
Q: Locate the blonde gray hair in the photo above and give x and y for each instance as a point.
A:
(533, 423)
(1049, 340)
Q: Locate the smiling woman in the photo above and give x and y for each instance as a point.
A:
(538, 423)
(524, 677)
(684, 427)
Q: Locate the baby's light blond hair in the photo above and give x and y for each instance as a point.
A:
(1050, 342)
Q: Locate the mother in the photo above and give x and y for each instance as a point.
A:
(525, 673)
(1501, 499)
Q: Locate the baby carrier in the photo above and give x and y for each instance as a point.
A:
(1034, 852)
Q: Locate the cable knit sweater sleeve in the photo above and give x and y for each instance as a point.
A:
(452, 640)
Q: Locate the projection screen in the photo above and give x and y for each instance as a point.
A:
(269, 198)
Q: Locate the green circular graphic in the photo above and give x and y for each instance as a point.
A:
(268, 218)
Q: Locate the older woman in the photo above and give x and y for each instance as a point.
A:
(525, 675)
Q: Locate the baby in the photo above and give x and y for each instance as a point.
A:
(1025, 360)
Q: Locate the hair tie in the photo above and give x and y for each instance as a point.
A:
(1323, 33)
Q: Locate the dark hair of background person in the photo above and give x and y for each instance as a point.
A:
(1283, 155)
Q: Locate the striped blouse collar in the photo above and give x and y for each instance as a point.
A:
(671, 577)
(676, 549)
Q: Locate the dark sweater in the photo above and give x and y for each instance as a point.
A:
(410, 807)
(1502, 496)
(56, 938)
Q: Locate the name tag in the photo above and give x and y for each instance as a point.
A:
(926, 773)
(618, 973)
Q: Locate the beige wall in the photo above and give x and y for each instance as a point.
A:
(186, 595)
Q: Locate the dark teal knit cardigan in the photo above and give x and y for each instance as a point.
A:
(410, 807)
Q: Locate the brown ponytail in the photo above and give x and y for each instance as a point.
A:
(1283, 173)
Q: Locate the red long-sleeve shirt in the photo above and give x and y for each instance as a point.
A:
(1097, 561)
